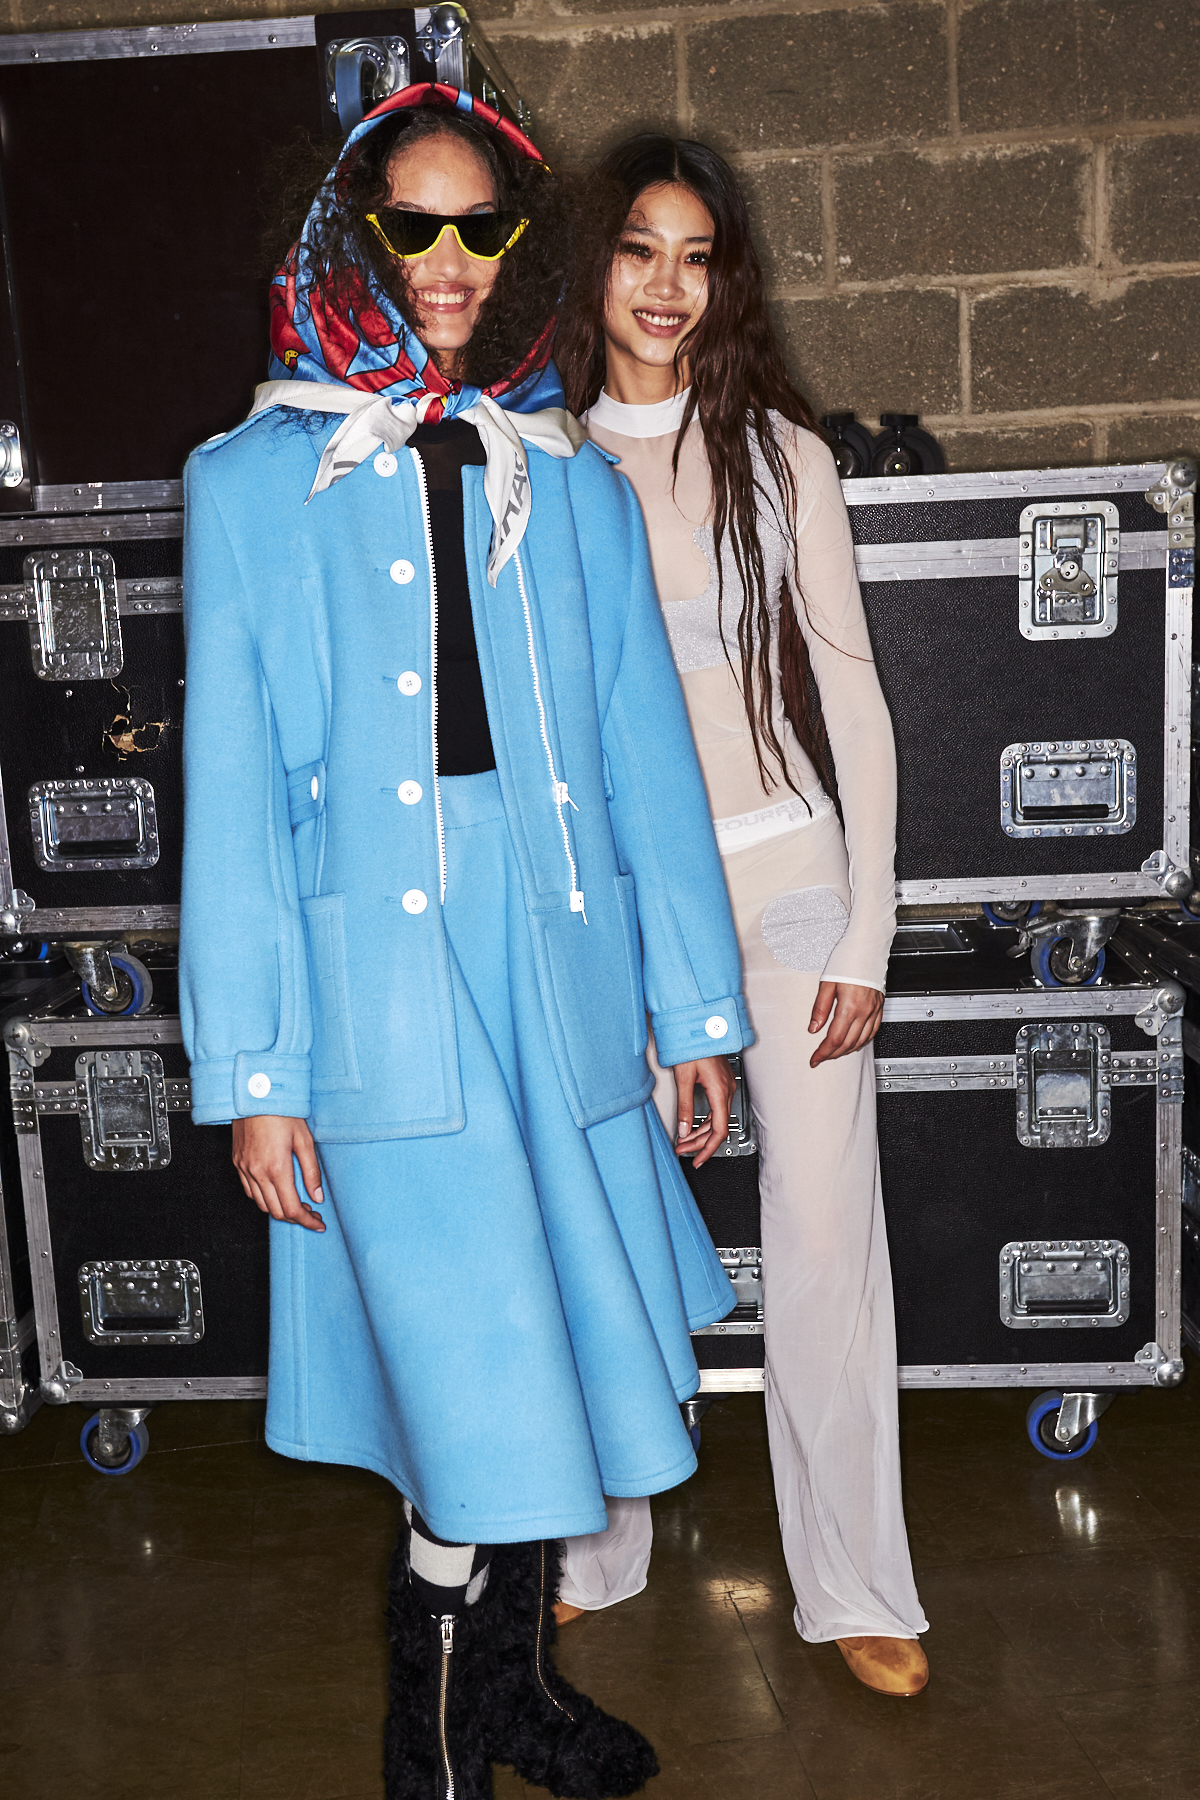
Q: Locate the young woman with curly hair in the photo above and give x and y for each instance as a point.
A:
(430, 892)
(667, 351)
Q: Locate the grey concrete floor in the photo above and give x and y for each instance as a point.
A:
(210, 1627)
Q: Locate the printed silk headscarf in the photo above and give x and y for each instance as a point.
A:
(350, 350)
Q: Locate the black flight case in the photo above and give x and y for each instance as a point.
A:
(1031, 1150)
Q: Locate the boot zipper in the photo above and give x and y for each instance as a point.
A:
(537, 1661)
(433, 635)
(447, 1629)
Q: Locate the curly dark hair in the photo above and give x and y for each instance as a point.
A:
(530, 278)
(738, 377)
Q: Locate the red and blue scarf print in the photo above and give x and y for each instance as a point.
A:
(354, 333)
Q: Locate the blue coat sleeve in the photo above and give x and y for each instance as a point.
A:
(243, 982)
(691, 966)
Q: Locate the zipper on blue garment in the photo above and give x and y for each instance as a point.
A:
(559, 788)
(446, 1626)
(433, 635)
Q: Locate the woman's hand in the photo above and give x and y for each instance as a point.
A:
(263, 1148)
(714, 1075)
(857, 1015)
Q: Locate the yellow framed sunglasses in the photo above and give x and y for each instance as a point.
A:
(485, 236)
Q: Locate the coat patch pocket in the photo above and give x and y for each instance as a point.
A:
(334, 1063)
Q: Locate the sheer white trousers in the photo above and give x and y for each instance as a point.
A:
(827, 1292)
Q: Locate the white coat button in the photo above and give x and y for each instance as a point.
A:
(385, 463)
(414, 901)
(402, 571)
(409, 792)
(716, 1027)
(409, 682)
(315, 787)
(260, 1086)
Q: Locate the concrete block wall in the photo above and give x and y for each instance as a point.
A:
(984, 211)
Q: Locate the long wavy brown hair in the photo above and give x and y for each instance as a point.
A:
(738, 378)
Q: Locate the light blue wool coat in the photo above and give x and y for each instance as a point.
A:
(301, 963)
(496, 1316)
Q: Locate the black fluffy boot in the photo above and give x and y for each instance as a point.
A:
(433, 1746)
(549, 1733)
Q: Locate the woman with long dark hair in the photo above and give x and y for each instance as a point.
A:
(667, 351)
(429, 894)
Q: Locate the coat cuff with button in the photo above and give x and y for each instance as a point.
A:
(713, 1028)
(251, 1084)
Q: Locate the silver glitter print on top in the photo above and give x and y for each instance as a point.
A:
(800, 929)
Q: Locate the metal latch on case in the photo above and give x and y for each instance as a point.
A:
(1064, 1074)
(1068, 569)
(744, 1269)
(1067, 1283)
(72, 605)
(360, 73)
(743, 1137)
(156, 1301)
(108, 823)
(123, 1110)
(1082, 787)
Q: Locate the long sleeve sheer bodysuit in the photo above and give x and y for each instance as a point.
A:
(812, 902)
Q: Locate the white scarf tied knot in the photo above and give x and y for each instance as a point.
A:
(374, 419)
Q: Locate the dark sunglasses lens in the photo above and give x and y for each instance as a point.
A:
(409, 233)
(414, 233)
(485, 234)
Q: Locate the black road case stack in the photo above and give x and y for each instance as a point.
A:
(1033, 634)
(133, 325)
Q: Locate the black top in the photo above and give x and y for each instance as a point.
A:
(464, 741)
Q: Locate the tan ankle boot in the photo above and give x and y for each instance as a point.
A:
(888, 1665)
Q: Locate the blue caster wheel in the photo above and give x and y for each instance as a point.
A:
(1040, 1421)
(139, 1443)
(1011, 912)
(135, 989)
(1050, 959)
(1185, 912)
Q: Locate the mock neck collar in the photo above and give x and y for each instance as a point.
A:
(663, 418)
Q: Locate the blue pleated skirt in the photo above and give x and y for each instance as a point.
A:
(497, 1319)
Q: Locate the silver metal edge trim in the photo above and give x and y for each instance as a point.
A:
(962, 558)
(730, 1381)
(962, 1375)
(12, 1387)
(158, 40)
(87, 528)
(1177, 724)
(1021, 1003)
(980, 1074)
(730, 1328)
(6, 886)
(1123, 884)
(107, 496)
(203, 1387)
(1041, 484)
(1002, 1375)
(41, 1256)
(128, 1033)
(1168, 1184)
(15, 1395)
(99, 918)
